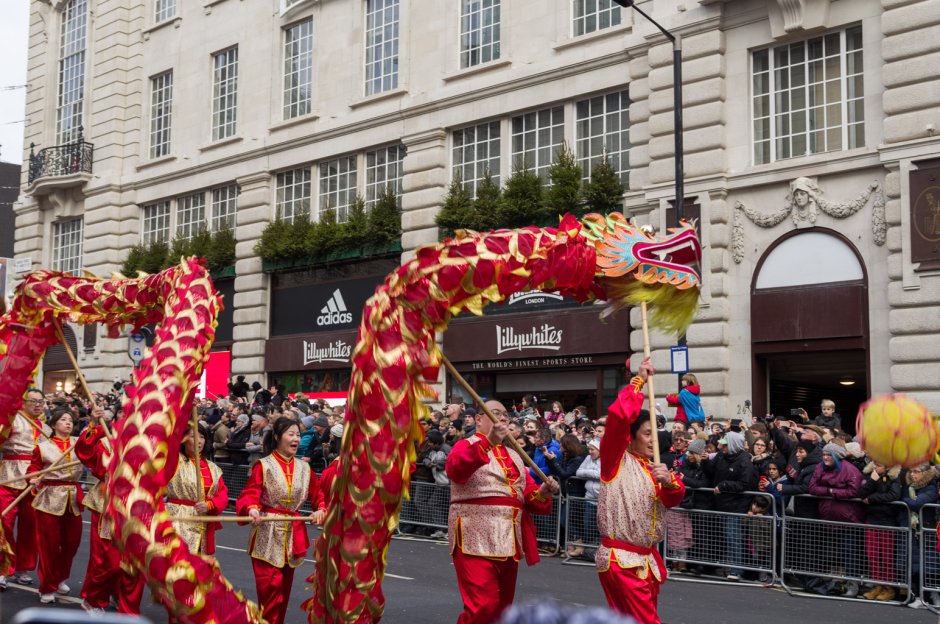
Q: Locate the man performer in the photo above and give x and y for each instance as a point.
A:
(19, 441)
(105, 576)
(631, 507)
(489, 527)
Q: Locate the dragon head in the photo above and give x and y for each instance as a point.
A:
(635, 265)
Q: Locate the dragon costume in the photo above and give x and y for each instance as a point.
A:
(599, 258)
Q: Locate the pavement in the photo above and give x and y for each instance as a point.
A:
(421, 588)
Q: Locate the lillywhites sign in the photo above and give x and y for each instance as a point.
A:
(336, 351)
(531, 297)
(546, 337)
(335, 311)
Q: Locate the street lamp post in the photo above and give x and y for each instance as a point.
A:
(676, 103)
(676, 116)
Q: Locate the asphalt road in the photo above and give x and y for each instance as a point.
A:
(421, 588)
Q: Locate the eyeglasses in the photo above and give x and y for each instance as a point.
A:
(499, 412)
(36, 401)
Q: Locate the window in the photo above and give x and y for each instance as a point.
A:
(161, 103)
(383, 169)
(293, 194)
(164, 10)
(591, 15)
(338, 186)
(156, 223)
(602, 125)
(808, 97)
(190, 215)
(71, 91)
(381, 46)
(224, 201)
(67, 246)
(536, 137)
(224, 93)
(298, 69)
(476, 152)
(479, 32)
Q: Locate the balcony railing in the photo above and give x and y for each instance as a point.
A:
(61, 160)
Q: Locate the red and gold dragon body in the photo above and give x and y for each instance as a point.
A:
(602, 258)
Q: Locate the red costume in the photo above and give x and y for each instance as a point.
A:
(489, 527)
(104, 578)
(631, 511)
(17, 454)
(278, 486)
(58, 513)
(187, 488)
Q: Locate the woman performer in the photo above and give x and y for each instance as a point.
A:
(57, 505)
(279, 485)
(188, 494)
(104, 576)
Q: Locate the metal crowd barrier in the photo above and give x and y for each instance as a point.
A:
(818, 553)
(427, 506)
(581, 536)
(727, 543)
(929, 559)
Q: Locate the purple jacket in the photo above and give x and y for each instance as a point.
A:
(845, 483)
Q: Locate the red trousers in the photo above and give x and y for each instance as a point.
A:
(486, 585)
(879, 546)
(274, 587)
(104, 577)
(629, 594)
(24, 543)
(61, 536)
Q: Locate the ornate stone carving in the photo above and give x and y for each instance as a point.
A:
(803, 204)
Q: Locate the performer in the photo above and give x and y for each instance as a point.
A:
(631, 507)
(17, 451)
(105, 576)
(58, 508)
(489, 527)
(184, 497)
(279, 484)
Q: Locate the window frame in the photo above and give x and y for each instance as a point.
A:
(149, 237)
(587, 161)
(776, 135)
(472, 184)
(229, 202)
(188, 230)
(540, 168)
(374, 188)
(225, 94)
(161, 115)
(295, 108)
(394, 56)
(163, 10)
(347, 192)
(74, 262)
(465, 52)
(70, 71)
(611, 10)
(279, 202)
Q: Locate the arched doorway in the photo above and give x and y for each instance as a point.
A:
(809, 326)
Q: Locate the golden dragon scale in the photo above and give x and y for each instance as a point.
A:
(601, 258)
(184, 302)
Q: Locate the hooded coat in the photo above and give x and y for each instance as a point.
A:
(840, 482)
(880, 493)
(803, 507)
(733, 473)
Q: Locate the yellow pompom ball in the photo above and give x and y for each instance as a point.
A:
(897, 430)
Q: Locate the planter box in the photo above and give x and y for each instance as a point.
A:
(340, 255)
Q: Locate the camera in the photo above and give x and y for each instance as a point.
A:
(736, 425)
(796, 412)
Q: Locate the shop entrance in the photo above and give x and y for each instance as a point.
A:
(809, 326)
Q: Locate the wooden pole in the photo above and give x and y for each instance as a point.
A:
(35, 425)
(197, 456)
(39, 473)
(78, 373)
(476, 397)
(240, 519)
(649, 383)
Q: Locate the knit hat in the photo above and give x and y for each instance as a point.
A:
(595, 443)
(242, 419)
(807, 445)
(697, 446)
(837, 452)
(303, 407)
(734, 440)
(336, 431)
(307, 422)
(854, 449)
(321, 421)
(257, 417)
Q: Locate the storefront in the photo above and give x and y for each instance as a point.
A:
(315, 318)
(556, 349)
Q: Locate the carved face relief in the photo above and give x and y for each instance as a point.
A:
(800, 198)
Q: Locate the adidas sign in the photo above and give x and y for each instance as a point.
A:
(335, 311)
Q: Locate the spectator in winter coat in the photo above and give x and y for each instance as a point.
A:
(237, 440)
(920, 488)
(828, 417)
(807, 456)
(840, 481)
(590, 472)
(544, 443)
(760, 456)
(732, 474)
(694, 478)
(769, 482)
(880, 488)
(567, 465)
(687, 402)
(239, 388)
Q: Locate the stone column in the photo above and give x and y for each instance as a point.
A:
(252, 296)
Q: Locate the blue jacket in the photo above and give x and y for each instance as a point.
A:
(542, 462)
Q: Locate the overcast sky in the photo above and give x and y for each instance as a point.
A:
(14, 31)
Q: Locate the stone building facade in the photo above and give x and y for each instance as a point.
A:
(809, 130)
